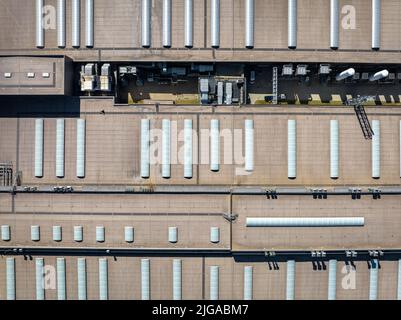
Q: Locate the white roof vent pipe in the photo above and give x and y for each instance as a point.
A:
(345, 74)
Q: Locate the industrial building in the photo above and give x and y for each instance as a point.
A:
(206, 150)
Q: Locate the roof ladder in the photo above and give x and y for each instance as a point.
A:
(275, 85)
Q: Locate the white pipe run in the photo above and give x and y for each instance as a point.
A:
(10, 281)
(177, 279)
(189, 23)
(214, 283)
(146, 23)
(188, 149)
(166, 148)
(269, 222)
(81, 142)
(76, 23)
(103, 279)
(145, 279)
(40, 32)
(215, 23)
(376, 24)
(334, 149)
(290, 286)
(334, 23)
(332, 285)
(61, 285)
(379, 75)
(89, 17)
(81, 271)
(248, 282)
(345, 74)
(292, 149)
(39, 148)
(61, 23)
(373, 279)
(376, 149)
(249, 23)
(166, 23)
(60, 136)
(214, 145)
(145, 148)
(292, 24)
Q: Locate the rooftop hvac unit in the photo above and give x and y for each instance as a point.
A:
(229, 93)
(8, 75)
(302, 70)
(220, 92)
(288, 70)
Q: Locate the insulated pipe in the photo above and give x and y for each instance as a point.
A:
(166, 149)
(39, 148)
(103, 279)
(399, 281)
(215, 23)
(76, 23)
(10, 281)
(248, 282)
(146, 23)
(379, 75)
(214, 145)
(177, 279)
(334, 23)
(332, 286)
(189, 23)
(376, 24)
(40, 290)
(145, 279)
(61, 286)
(214, 283)
(40, 32)
(290, 287)
(188, 161)
(305, 222)
(89, 23)
(60, 136)
(345, 74)
(81, 270)
(61, 23)
(81, 141)
(292, 149)
(145, 148)
(376, 149)
(373, 279)
(292, 24)
(249, 23)
(167, 23)
(334, 149)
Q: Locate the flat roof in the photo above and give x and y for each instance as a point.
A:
(117, 32)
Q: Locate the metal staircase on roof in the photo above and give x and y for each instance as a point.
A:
(357, 103)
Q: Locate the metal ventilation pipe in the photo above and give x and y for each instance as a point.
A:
(61, 23)
(40, 33)
(379, 75)
(334, 23)
(89, 23)
(249, 23)
(292, 24)
(376, 24)
(167, 23)
(215, 23)
(345, 74)
(76, 23)
(189, 23)
(146, 23)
